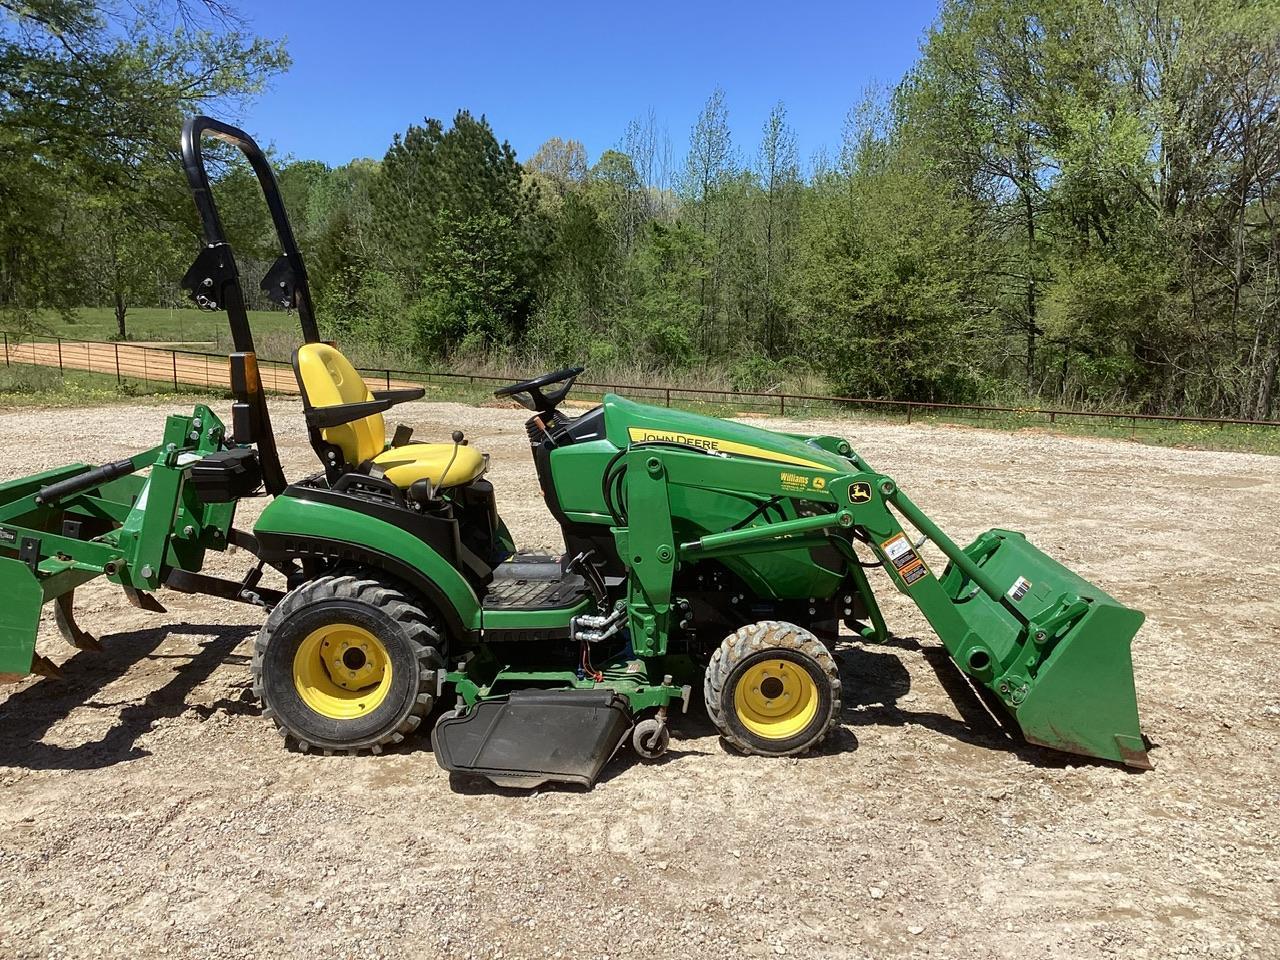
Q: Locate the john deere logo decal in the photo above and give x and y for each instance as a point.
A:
(860, 492)
(717, 445)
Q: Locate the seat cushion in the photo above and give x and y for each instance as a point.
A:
(430, 461)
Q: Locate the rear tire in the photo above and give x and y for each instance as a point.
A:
(773, 689)
(346, 663)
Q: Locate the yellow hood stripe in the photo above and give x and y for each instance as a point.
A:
(716, 445)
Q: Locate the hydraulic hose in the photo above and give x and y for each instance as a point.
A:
(84, 481)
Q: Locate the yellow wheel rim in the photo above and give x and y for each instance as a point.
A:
(342, 671)
(775, 699)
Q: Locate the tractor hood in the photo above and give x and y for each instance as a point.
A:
(628, 422)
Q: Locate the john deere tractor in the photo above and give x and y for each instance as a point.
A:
(698, 552)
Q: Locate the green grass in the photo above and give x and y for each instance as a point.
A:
(26, 387)
(177, 325)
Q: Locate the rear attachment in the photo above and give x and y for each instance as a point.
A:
(535, 736)
(66, 526)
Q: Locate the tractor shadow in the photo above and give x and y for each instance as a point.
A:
(28, 715)
(875, 682)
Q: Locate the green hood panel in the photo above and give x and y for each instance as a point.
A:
(628, 422)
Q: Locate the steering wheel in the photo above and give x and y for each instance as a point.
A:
(530, 393)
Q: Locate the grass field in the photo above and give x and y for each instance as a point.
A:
(178, 325)
(24, 387)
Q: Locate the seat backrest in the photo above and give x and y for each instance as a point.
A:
(327, 379)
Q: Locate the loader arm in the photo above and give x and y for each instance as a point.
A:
(1049, 645)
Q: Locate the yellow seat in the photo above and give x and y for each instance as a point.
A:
(444, 464)
(327, 379)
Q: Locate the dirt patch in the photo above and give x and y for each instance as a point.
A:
(148, 808)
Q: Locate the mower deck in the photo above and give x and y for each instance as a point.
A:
(533, 737)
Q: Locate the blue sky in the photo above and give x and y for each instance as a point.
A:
(364, 71)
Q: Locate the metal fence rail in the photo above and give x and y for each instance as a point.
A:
(178, 368)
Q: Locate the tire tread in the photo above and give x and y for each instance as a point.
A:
(756, 638)
(362, 586)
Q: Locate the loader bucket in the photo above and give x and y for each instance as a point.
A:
(1051, 646)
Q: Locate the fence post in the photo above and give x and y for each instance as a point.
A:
(6, 348)
(388, 379)
(668, 396)
(908, 413)
(118, 380)
(60, 370)
(174, 354)
(1053, 417)
(782, 404)
(1133, 428)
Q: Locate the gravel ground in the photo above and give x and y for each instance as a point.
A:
(149, 810)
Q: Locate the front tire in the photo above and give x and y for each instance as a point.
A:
(346, 662)
(772, 688)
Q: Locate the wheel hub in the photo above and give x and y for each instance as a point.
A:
(775, 699)
(341, 671)
(353, 657)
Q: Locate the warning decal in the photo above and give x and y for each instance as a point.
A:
(904, 559)
(913, 573)
(899, 550)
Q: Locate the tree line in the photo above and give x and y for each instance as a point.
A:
(1062, 201)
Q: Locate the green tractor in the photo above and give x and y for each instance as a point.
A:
(697, 551)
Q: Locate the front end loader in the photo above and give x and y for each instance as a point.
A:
(699, 552)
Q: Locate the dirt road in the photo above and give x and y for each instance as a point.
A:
(157, 364)
(149, 810)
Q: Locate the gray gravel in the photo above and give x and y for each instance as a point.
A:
(149, 810)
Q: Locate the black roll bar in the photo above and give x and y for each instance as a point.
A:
(299, 292)
(214, 282)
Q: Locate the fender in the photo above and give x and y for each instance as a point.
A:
(291, 527)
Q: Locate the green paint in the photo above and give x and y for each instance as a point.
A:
(147, 518)
(21, 619)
